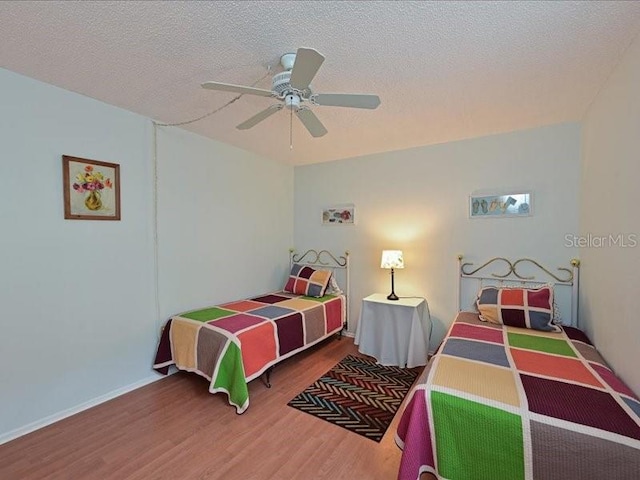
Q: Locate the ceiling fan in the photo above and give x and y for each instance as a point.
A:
(292, 88)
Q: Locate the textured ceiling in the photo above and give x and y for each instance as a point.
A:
(443, 70)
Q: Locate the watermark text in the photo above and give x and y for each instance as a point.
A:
(618, 240)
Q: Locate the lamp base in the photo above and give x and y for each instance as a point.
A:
(392, 296)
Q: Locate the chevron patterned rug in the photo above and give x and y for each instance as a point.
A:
(358, 394)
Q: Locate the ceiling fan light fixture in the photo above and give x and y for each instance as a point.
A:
(287, 60)
(292, 101)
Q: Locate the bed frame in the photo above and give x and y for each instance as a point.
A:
(502, 271)
(327, 261)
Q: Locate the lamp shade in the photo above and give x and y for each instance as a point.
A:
(392, 259)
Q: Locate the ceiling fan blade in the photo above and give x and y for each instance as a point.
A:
(311, 122)
(352, 100)
(260, 117)
(306, 66)
(227, 87)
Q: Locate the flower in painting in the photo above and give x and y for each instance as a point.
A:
(91, 180)
(345, 215)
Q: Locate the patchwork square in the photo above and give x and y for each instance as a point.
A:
(314, 324)
(184, 332)
(576, 334)
(480, 351)
(633, 405)
(270, 299)
(477, 379)
(258, 347)
(242, 306)
(515, 318)
(207, 314)
(594, 461)
(272, 311)
(558, 400)
(290, 333)
(540, 298)
(210, 347)
(300, 303)
(305, 280)
(611, 379)
(300, 286)
(473, 332)
(238, 322)
(462, 429)
(543, 344)
(512, 296)
(304, 272)
(551, 366)
(333, 309)
(588, 352)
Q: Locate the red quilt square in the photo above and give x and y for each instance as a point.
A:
(539, 298)
(300, 286)
(512, 296)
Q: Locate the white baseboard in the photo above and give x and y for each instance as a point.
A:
(18, 432)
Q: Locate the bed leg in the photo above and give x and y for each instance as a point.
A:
(267, 377)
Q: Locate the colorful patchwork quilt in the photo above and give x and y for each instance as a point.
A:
(500, 402)
(233, 343)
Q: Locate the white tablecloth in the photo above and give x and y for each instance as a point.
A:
(394, 332)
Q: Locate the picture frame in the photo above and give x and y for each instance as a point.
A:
(501, 205)
(344, 214)
(91, 189)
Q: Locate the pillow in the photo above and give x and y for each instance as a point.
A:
(333, 288)
(557, 315)
(518, 307)
(305, 280)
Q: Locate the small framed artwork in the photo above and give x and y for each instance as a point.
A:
(91, 189)
(500, 205)
(339, 215)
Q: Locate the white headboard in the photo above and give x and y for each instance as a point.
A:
(328, 261)
(522, 271)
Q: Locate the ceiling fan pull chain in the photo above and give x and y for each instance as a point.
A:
(291, 129)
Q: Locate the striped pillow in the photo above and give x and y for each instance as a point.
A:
(305, 280)
(518, 307)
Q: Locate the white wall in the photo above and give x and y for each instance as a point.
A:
(610, 176)
(225, 222)
(416, 200)
(77, 296)
(79, 320)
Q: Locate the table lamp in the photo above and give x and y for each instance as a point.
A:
(392, 259)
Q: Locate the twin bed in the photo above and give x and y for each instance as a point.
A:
(236, 342)
(511, 395)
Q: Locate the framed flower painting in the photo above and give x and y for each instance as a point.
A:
(91, 189)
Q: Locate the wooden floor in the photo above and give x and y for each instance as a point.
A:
(174, 429)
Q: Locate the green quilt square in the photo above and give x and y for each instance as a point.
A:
(542, 344)
(206, 314)
(475, 441)
(323, 299)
